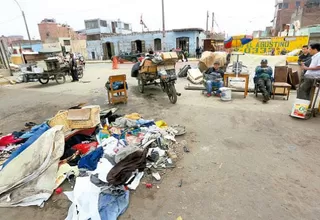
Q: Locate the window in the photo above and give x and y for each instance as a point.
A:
(91, 24)
(285, 5)
(66, 42)
(126, 26)
(280, 5)
(298, 4)
(103, 23)
(93, 37)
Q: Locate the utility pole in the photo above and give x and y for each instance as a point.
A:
(163, 25)
(207, 24)
(25, 21)
(212, 26)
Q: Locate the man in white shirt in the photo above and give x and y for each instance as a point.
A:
(313, 72)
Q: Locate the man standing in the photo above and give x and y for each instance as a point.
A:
(304, 56)
(73, 66)
(263, 77)
(312, 72)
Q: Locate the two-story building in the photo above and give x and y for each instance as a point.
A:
(108, 38)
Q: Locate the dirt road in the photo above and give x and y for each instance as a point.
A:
(247, 160)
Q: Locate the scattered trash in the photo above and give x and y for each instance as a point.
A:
(59, 190)
(156, 176)
(101, 154)
(179, 218)
(292, 148)
(220, 166)
(149, 185)
(185, 148)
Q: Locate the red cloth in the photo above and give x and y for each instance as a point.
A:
(85, 148)
(9, 139)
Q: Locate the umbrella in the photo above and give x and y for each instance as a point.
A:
(237, 41)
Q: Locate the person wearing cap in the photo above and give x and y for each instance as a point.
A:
(263, 78)
(213, 78)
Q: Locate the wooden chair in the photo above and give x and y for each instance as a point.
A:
(280, 81)
(119, 95)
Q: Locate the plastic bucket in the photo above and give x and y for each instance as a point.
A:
(300, 108)
(225, 94)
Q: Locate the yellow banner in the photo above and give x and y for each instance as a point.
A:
(265, 45)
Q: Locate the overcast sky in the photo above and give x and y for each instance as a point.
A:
(232, 16)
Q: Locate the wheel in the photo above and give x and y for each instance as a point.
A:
(44, 79)
(141, 85)
(80, 73)
(172, 94)
(60, 78)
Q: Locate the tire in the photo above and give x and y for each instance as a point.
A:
(60, 78)
(80, 73)
(44, 79)
(172, 93)
(140, 85)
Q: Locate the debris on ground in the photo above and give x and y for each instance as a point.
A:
(101, 154)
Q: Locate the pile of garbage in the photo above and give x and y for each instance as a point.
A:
(102, 154)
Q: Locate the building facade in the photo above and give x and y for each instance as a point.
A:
(283, 12)
(114, 44)
(306, 16)
(50, 31)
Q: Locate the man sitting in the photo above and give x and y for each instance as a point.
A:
(213, 78)
(263, 78)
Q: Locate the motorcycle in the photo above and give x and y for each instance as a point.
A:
(151, 70)
(167, 84)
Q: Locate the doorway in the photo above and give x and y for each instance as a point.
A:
(93, 55)
(183, 43)
(198, 42)
(108, 50)
(138, 46)
(157, 44)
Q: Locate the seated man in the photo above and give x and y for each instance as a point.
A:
(312, 72)
(263, 78)
(213, 77)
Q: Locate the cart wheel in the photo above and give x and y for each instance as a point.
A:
(80, 73)
(60, 78)
(172, 94)
(141, 85)
(44, 79)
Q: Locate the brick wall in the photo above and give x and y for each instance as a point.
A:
(310, 16)
(51, 32)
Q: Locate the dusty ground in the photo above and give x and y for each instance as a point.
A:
(247, 160)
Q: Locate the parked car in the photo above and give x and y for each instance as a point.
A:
(131, 57)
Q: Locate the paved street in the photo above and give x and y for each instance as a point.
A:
(247, 160)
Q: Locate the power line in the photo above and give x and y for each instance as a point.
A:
(9, 20)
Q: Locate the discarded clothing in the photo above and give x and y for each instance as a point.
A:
(9, 139)
(35, 135)
(111, 207)
(107, 188)
(133, 116)
(91, 160)
(122, 171)
(33, 130)
(85, 148)
(85, 199)
(29, 179)
(124, 152)
(124, 123)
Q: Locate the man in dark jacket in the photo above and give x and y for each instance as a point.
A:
(263, 78)
(73, 66)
